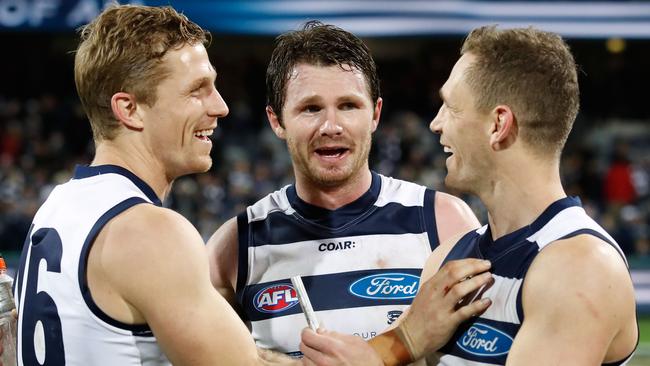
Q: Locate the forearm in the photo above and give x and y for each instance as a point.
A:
(391, 348)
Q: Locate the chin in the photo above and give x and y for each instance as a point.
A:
(451, 183)
(330, 177)
(201, 166)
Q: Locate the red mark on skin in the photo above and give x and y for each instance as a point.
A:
(591, 307)
(446, 290)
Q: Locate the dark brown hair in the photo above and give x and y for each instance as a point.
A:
(317, 44)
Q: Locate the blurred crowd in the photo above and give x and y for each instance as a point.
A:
(42, 139)
(44, 134)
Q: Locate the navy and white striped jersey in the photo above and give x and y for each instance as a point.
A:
(59, 323)
(360, 263)
(486, 340)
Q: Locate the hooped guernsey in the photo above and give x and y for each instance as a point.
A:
(486, 339)
(360, 264)
(59, 323)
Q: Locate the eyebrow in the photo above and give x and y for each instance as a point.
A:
(318, 98)
(203, 81)
(309, 100)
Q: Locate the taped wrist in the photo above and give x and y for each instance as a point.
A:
(391, 349)
(415, 352)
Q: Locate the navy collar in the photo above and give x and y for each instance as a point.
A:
(340, 216)
(504, 242)
(84, 171)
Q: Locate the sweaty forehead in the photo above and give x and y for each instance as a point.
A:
(311, 80)
(188, 63)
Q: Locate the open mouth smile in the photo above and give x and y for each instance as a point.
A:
(204, 135)
(331, 153)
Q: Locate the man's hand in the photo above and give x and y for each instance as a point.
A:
(433, 317)
(329, 348)
(437, 309)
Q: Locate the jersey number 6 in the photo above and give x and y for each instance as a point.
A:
(40, 314)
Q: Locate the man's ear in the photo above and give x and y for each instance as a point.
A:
(503, 128)
(376, 114)
(125, 110)
(275, 123)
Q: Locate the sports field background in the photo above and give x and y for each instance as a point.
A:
(642, 356)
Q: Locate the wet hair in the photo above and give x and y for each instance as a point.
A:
(321, 45)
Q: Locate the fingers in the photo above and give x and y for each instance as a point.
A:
(455, 271)
(450, 275)
(475, 308)
(316, 347)
(306, 361)
(467, 290)
(317, 341)
(312, 356)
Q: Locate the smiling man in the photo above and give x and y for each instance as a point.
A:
(107, 275)
(358, 238)
(562, 293)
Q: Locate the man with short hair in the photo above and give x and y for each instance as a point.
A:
(358, 238)
(562, 292)
(107, 275)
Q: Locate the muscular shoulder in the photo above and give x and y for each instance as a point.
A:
(137, 255)
(453, 216)
(579, 274)
(148, 227)
(145, 240)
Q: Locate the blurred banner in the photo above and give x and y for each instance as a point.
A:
(573, 19)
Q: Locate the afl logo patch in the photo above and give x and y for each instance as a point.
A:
(386, 286)
(275, 298)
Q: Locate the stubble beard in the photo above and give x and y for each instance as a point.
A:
(333, 176)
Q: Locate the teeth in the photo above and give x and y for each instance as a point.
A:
(447, 149)
(203, 133)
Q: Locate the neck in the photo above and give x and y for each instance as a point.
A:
(336, 196)
(130, 158)
(519, 193)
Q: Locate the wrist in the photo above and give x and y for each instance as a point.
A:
(391, 348)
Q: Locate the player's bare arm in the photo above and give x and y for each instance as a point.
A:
(578, 305)
(147, 254)
(453, 217)
(223, 251)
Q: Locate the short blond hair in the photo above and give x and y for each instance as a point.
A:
(121, 51)
(531, 71)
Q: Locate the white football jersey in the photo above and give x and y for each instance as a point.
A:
(59, 323)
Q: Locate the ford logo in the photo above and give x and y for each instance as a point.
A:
(484, 340)
(386, 286)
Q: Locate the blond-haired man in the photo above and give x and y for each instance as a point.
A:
(108, 276)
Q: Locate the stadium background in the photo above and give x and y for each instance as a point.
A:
(44, 133)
